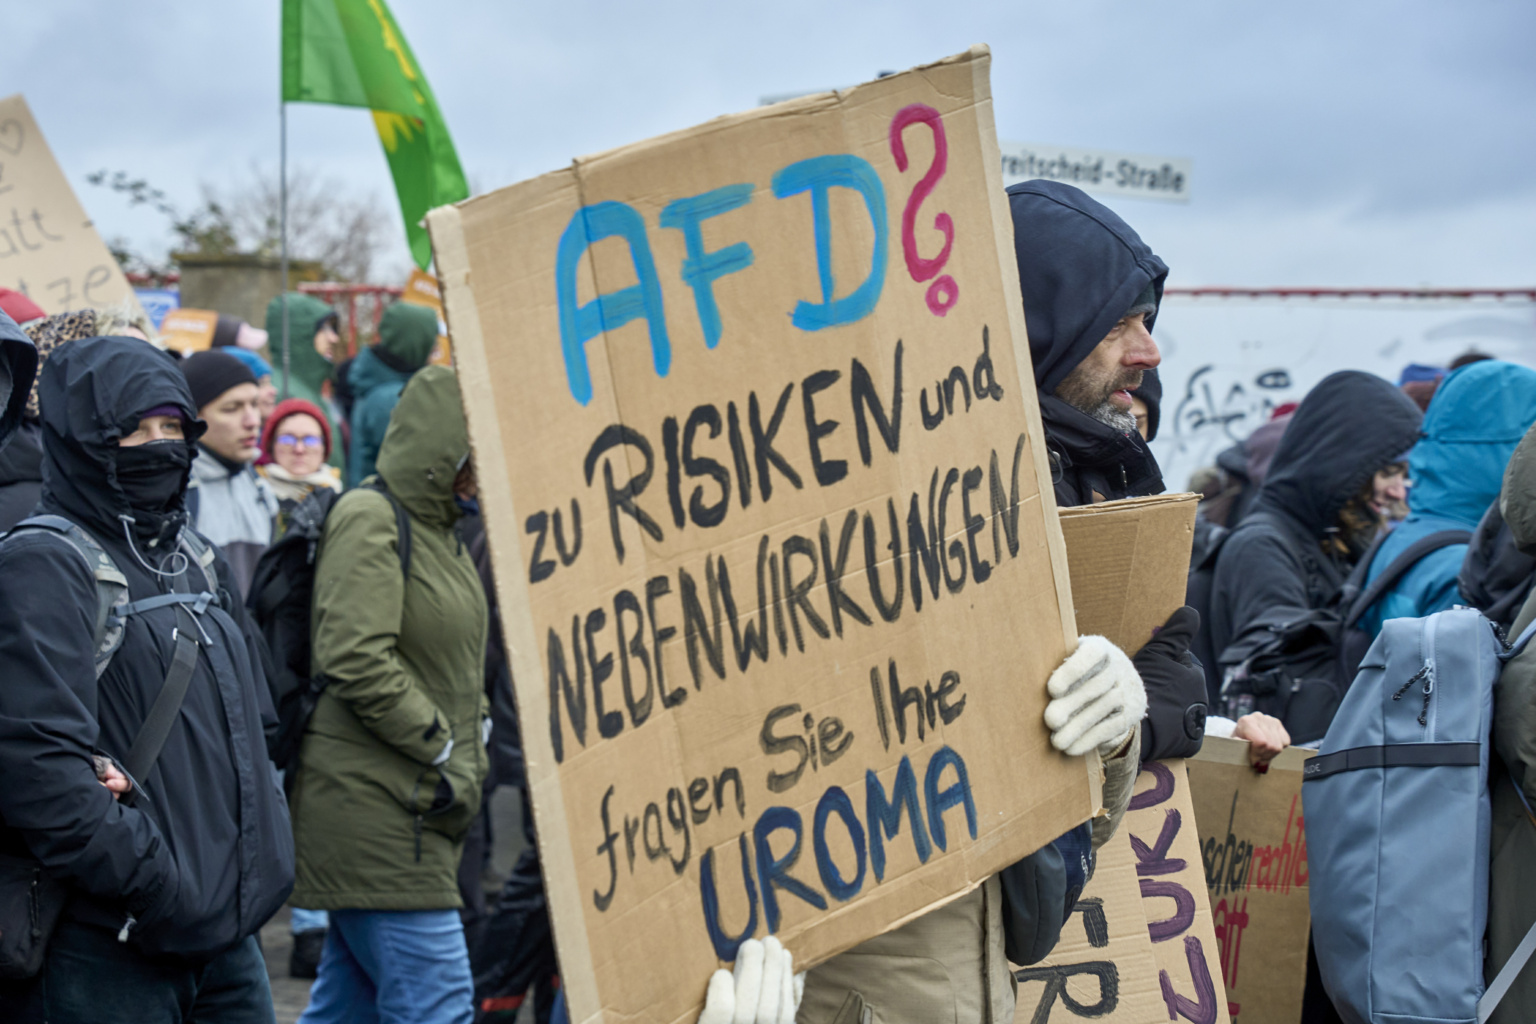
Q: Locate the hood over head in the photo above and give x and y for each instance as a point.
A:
(1517, 502)
(93, 392)
(1081, 269)
(407, 333)
(1151, 395)
(18, 367)
(1348, 427)
(1474, 422)
(305, 315)
(1262, 445)
(425, 445)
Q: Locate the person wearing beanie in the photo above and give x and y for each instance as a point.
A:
(314, 345)
(407, 333)
(263, 373)
(19, 307)
(294, 446)
(230, 504)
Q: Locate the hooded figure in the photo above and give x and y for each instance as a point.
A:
(198, 854)
(1475, 420)
(1512, 884)
(18, 366)
(1082, 270)
(310, 322)
(407, 333)
(392, 763)
(1284, 563)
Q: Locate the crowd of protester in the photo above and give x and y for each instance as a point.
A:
(251, 655)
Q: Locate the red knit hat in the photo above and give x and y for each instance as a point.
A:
(18, 307)
(282, 412)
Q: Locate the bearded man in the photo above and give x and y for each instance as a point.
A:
(1091, 291)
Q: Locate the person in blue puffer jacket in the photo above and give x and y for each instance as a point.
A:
(1477, 417)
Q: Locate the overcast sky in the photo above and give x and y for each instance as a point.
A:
(1385, 143)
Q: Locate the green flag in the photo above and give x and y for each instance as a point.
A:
(351, 53)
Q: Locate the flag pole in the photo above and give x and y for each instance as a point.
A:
(282, 192)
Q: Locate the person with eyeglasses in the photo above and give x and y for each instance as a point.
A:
(295, 444)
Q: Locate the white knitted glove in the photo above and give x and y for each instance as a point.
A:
(1097, 699)
(764, 988)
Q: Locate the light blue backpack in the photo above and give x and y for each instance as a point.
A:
(1397, 820)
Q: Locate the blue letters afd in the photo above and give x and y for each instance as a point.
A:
(701, 268)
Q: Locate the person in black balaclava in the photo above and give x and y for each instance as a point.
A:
(173, 868)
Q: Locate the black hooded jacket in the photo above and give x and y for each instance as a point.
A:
(1274, 574)
(202, 853)
(21, 474)
(18, 365)
(1080, 268)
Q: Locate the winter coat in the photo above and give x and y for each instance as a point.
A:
(309, 369)
(952, 964)
(234, 508)
(18, 367)
(21, 474)
(1081, 267)
(203, 855)
(290, 490)
(377, 825)
(1512, 883)
(407, 333)
(1495, 576)
(1274, 573)
(1476, 418)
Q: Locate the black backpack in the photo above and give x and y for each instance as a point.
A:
(281, 598)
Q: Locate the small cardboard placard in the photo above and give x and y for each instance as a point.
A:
(422, 289)
(1165, 841)
(1253, 845)
(1129, 562)
(188, 330)
(48, 248)
(761, 464)
(1103, 969)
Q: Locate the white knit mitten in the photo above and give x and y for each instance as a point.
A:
(1097, 699)
(762, 989)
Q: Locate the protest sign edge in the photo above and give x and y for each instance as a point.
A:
(445, 227)
(980, 57)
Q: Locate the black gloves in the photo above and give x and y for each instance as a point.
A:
(1175, 682)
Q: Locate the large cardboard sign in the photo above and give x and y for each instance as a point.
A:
(761, 461)
(1253, 846)
(1103, 969)
(48, 248)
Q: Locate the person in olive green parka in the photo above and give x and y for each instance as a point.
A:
(392, 762)
(312, 348)
(1512, 878)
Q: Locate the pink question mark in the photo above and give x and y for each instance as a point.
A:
(944, 292)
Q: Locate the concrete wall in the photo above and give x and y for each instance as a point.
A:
(238, 285)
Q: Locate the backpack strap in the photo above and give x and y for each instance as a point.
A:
(1397, 568)
(1507, 974)
(402, 524)
(111, 584)
(162, 714)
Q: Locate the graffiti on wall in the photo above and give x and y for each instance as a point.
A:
(1220, 407)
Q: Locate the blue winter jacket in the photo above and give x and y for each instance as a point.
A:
(1475, 420)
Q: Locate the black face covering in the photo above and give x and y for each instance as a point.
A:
(152, 475)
